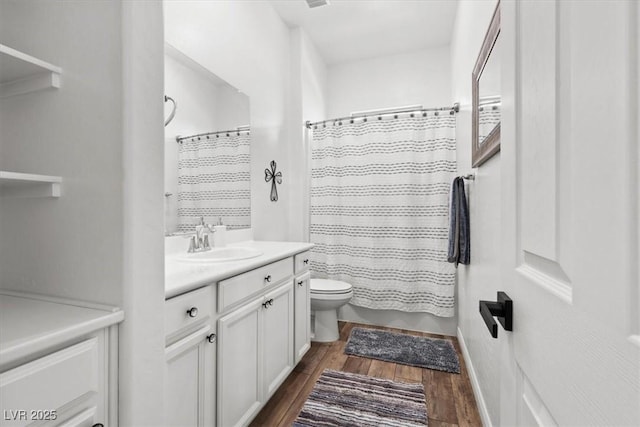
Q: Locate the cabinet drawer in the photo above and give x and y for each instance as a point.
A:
(179, 311)
(49, 383)
(235, 289)
(302, 261)
(85, 418)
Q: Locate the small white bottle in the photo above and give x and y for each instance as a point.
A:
(220, 234)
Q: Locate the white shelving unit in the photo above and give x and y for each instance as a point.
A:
(21, 73)
(15, 184)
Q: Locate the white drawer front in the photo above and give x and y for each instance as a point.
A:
(48, 383)
(186, 310)
(237, 288)
(302, 261)
(86, 418)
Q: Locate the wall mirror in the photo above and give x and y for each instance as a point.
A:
(487, 96)
(207, 148)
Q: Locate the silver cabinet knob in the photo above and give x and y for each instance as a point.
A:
(192, 312)
(211, 338)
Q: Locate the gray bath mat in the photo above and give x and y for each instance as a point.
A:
(404, 349)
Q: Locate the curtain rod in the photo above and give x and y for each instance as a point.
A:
(237, 131)
(390, 110)
(490, 100)
(380, 113)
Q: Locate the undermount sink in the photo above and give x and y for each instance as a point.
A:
(225, 254)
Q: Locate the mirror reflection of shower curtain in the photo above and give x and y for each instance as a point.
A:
(488, 119)
(379, 210)
(214, 181)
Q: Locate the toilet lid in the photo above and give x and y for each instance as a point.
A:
(328, 286)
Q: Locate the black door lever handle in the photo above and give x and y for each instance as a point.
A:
(502, 309)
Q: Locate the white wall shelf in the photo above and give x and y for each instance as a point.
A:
(21, 73)
(15, 184)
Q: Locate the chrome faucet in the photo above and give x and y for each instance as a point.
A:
(199, 242)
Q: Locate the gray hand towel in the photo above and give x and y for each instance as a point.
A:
(459, 235)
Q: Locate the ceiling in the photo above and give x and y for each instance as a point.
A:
(348, 30)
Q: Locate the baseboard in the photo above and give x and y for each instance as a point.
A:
(482, 406)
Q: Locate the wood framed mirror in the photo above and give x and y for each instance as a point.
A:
(486, 101)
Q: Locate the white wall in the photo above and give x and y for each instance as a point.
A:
(308, 103)
(232, 109)
(421, 77)
(478, 280)
(314, 78)
(247, 45)
(70, 246)
(142, 363)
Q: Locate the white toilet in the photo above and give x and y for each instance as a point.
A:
(326, 297)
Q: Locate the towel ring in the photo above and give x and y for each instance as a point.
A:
(173, 111)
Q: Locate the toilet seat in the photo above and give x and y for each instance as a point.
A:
(329, 287)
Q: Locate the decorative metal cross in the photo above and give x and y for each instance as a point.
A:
(271, 175)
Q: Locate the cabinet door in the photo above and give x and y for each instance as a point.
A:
(239, 392)
(302, 321)
(189, 385)
(277, 332)
(85, 418)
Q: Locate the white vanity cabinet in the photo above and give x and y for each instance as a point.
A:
(190, 380)
(190, 357)
(256, 339)
(302, 303)
(58, 367)
(239, 364)
(260, 315)
(277, 337)
(256, 353)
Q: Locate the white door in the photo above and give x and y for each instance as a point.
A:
(569, 163)
(190, 380)
(277, 330)
(239, 341)
(302, 319)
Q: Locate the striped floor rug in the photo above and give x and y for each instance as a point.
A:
(345, 399)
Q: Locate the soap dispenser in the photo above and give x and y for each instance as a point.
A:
(220, 234)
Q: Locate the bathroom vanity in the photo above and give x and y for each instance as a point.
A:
(58, 361)
(236, 323)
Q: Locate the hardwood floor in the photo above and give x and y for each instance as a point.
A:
(450, 400)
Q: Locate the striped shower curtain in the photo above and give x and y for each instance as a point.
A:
(488, 118)
(214, 181)
(379, 210)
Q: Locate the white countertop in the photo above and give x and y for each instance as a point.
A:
(181, 277)
(30, 324)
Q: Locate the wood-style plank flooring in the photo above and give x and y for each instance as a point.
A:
(450, 400)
